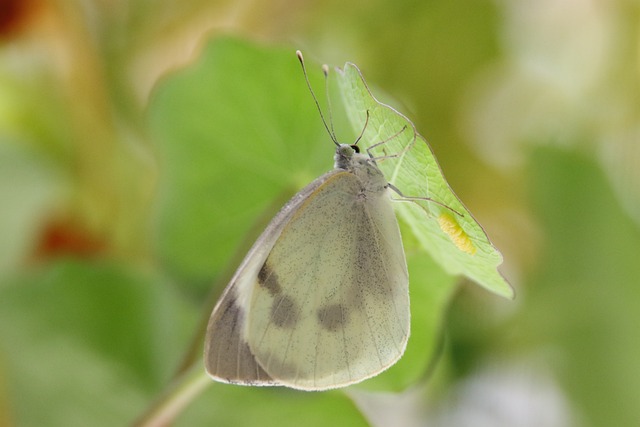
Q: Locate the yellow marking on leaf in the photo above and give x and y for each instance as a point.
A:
(458, 236)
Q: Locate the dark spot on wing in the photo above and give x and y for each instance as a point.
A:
(333, 317)
(268, 279)
(284, 312)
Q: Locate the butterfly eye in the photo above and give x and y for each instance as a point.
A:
(355, 148)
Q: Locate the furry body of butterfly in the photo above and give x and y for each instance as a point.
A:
(321, 300)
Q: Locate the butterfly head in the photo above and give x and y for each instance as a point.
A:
(344, 155)
(349, 158)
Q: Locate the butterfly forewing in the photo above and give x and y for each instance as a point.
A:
(330, 303)
(227, 355)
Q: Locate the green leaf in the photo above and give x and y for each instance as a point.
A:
(584, 300)
(86, 343)
(454, 239)
(233, 405)
(237, 135)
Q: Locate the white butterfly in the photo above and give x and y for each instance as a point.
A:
(321, 300)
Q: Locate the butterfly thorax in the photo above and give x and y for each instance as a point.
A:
(362, 166)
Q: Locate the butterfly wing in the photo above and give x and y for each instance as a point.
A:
(321, 301)
(330, 305)
(227, 354)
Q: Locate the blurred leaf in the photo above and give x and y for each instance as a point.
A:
(457, 243)
(84, 342)
(235, 131)
(585, 304)
(29, 188)
(232, 405)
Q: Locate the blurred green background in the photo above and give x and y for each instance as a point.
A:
(125, 197)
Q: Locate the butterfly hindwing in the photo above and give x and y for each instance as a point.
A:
(228, 356)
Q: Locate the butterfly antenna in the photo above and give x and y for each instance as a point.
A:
(306, 78)
(325, 71)
(366, 122)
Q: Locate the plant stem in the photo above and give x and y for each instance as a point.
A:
(180, 393)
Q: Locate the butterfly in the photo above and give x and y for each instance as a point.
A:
(321, 300)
